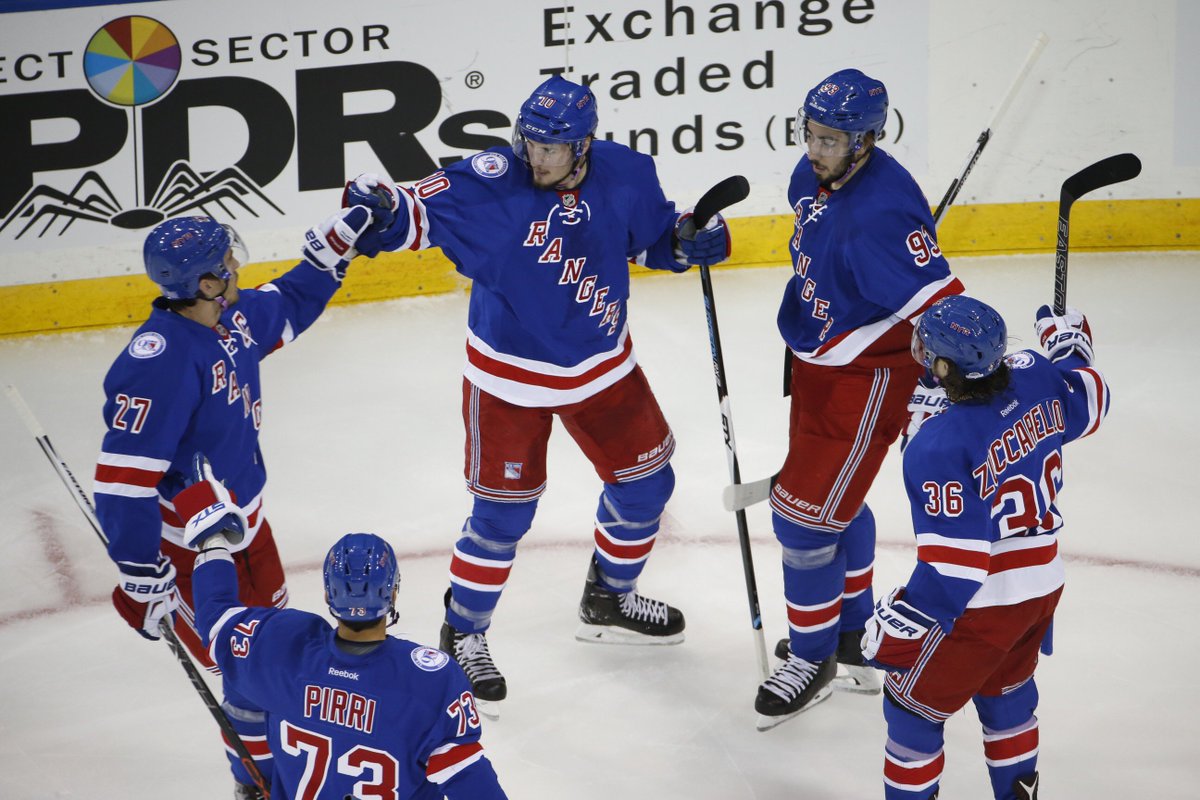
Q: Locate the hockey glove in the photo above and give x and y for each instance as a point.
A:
(330, 245)
(895, 634)
(928, 398)
(210, 509)
(708, 246)
(1064, 336)
(382, 198)
(146, 594)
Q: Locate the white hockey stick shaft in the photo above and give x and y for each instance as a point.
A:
(164, 626)
(985, 136)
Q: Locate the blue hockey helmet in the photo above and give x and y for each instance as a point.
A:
(847, 101)
(558, 112)
(963, 330)
(182, 250)
(360, 578)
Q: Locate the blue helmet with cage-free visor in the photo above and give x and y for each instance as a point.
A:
(360, 578)
(182, 250)
(963, 330)
(558, 112)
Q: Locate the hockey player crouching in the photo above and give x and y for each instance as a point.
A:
(982, 478)
(350, 710)
(546, 229)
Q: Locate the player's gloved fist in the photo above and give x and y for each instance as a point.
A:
(707, 246)
(210, 510)
(928, 398)
(1062, 336)
(895, 634)
(330, 245)
(146, 594)
(380, 196)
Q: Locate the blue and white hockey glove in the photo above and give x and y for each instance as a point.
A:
(210, 509)
(146, 594)
(1065, 335)
(708, 246)
(928, 398)
(895, 634)
(330, 245)
(378, 194)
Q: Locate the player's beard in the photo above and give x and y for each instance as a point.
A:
(550, 177)
(830, 172)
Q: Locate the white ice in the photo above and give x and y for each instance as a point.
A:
(363, 432)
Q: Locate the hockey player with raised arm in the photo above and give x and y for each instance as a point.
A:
(546, 229)
(982, 477)
(189, 380)
(866, 264)
(350, 711)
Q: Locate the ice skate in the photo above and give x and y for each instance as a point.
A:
(610, 617)
(854, 676)
(794, 687)
(1026, 787)
(470, 650)
(244, 791)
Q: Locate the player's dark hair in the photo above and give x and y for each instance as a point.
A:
(358, 625)
(966, 390)
(167, 304)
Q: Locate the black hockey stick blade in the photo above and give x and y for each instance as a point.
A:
(1114, 169)
(733, 189)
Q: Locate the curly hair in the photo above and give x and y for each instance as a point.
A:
(974, 390)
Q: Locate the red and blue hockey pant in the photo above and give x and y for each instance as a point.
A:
(624, 435)
(260, 583)
(843, 420)
(989, 658)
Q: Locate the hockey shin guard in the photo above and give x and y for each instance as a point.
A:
(858, 543)
(913, 757)
(627, 521)
(1010, 736)
(814, 575)
(482, 560)
(250, 723)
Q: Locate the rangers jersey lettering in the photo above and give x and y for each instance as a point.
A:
(550, 269)
(383, 723)
(181, 388)
(866, 264)
(983, 481)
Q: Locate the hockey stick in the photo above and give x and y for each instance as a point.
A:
(732, 190)
(738, 496)
(164, 626)
(1113, 169)
(985, 136)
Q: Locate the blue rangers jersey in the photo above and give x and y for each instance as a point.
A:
(398, 721)
(180, 388)
(983, 479)
(866, 264)
(550, 269)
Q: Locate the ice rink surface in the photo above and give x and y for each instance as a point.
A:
(363, 431)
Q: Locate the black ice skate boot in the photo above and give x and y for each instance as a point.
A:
(1026, 787)
(612, 617)
(854, 675)
(244, 791)
(470, 650)
(795, 686)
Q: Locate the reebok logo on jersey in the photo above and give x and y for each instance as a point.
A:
(342, 673)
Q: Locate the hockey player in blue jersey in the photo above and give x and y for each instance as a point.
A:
(189, 380)
(350, 711)
(546, 229)
(982, 478)
(866, 264)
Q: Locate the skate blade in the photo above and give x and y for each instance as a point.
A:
(610, 634)
(766, 723)
(488, 708)
(857, 680)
